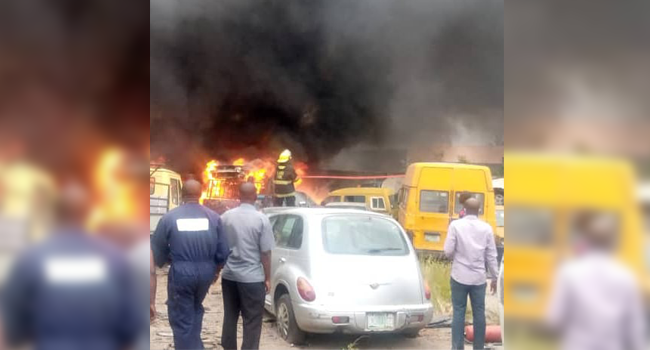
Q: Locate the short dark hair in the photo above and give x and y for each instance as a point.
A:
(464, 196)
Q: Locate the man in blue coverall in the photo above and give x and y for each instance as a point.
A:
(190, 237)
(73, 291)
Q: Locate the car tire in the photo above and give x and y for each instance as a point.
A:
(411, 333)
(286, 321)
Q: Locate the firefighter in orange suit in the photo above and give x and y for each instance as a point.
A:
(283, 181)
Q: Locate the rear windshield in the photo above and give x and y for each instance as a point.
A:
(434, 201)
(362, 235)
(530, 226)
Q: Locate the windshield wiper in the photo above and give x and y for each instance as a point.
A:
(375, 251)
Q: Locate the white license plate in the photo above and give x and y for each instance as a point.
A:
(381, 321)
(432, 238)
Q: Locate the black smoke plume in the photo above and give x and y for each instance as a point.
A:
(249, 78)
(73, 75)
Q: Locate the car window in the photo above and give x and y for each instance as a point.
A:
(377, 203)
(287, 230)
(295, 241)
(530, 226)
(458, 206)
(393, 200)
(434, 201)
(403, 197)
(354, 199)
(361, 234)
(272, 220)
(500, 218)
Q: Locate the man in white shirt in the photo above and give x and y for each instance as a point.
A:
(596, 301)
(470, 244)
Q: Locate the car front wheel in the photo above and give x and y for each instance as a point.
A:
(286, 321)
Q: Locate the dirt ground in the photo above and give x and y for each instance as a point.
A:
(161, 334)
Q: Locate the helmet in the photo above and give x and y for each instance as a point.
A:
(285, 156)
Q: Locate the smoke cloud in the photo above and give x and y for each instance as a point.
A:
(73, 75)
(561, 55)
(578, 76)
(249, 78)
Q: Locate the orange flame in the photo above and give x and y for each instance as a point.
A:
(116, 194)
(208, 177)
(258, 171)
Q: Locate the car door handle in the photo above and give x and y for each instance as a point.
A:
(282, 260)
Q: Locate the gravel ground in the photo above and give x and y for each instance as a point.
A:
(161, 335)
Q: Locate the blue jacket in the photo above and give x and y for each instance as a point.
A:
(72, 292)
(190, 233)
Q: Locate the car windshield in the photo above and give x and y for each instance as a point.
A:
(358, 234)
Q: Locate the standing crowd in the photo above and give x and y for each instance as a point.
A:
(200, 245)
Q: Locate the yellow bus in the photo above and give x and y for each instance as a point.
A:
(430, 199)
(547, 196)
(375, 198)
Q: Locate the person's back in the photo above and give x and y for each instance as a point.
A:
(473, 239)
(191, 239)
(243, 227)
(246, 276)
(470, 243)
(596, 304)
(72, 292)
(199, 246)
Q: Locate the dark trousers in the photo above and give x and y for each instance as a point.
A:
(188, 286)
(459, 293)
(281, 201)
(247, 299)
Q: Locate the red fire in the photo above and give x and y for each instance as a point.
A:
(259, 171)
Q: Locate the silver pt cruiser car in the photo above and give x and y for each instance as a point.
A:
(344, 270)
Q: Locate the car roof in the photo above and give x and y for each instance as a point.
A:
(359, 190)
(346, 205)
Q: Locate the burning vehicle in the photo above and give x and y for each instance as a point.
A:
(221, 183)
